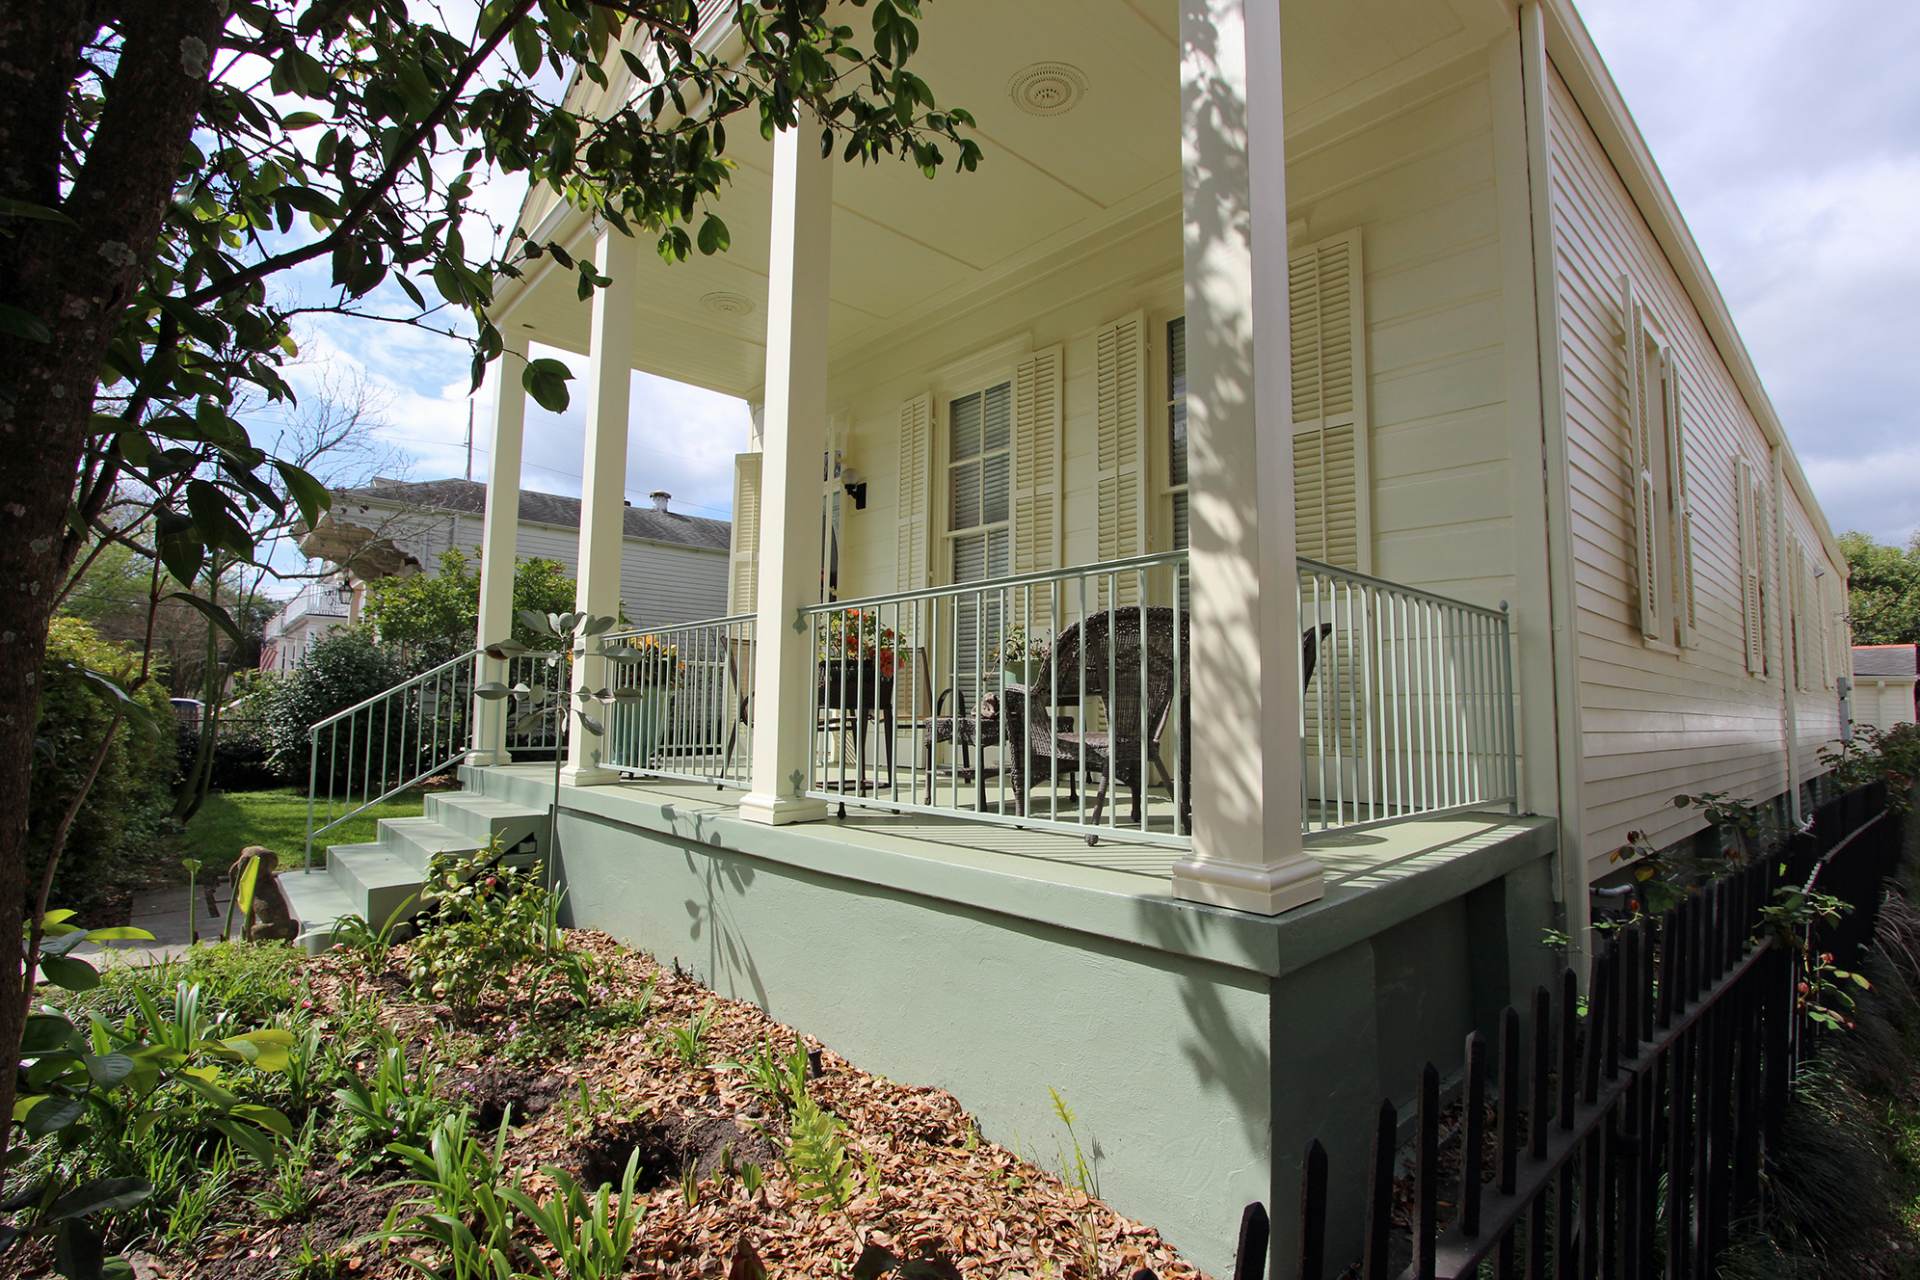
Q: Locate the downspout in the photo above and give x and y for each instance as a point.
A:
(1571, 888)
(1783, 607)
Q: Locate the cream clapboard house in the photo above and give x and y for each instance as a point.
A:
(1336, 396)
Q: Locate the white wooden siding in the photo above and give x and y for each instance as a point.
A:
(1657, 720)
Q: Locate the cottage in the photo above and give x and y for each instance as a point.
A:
(1206, 591)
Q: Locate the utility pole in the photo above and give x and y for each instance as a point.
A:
(469, 438)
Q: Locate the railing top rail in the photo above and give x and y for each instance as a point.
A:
(384, 694)
(1154, 561)
(731, 620)
(1385, 584)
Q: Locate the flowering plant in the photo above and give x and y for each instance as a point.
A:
(1017, 646)
(655, 663)
(855, 633)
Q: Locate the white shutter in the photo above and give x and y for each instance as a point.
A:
(744, 552)
(1036, 468)
(1679, 503)
(1332, 520)
(910, 526)
(1802, 666)
(1640, 454)
(1120, 376)
(1753, 620)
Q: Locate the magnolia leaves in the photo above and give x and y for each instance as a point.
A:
(569, 628)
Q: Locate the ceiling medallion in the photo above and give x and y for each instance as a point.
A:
(727, 304)
(1048, 88)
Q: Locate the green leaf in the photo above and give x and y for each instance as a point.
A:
(713, 235)
(69, 973)
(109, 1068)
(119, 933)
(52, 1114)
(107, 1195)
(48, 1032)
(243, 892)
(265, 1117)
(37, 212)
(526, 44)
(546, 381)
(217, 615)
(181, 548)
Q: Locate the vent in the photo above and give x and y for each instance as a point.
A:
(1047, 88)
(727, 304)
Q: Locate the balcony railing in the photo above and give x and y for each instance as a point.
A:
(1062, 701)
(682, 708)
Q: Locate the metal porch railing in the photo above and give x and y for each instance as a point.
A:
(685, 710)
(1050, 701)
(397, 739)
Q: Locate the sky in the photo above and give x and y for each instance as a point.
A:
(1788, 130)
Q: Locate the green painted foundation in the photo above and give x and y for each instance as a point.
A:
(1201, 1049)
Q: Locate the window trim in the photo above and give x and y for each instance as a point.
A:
(979, 384)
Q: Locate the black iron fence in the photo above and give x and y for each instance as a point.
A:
(1623, 1133)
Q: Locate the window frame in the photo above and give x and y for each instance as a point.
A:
(950, 536)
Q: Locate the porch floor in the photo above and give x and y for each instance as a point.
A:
(1352, 861)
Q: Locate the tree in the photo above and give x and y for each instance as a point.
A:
(1883, 590)
(436, 618)
(169, 164)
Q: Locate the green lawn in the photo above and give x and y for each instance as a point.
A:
(231, 820)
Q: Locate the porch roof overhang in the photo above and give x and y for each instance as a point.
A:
(908, 251)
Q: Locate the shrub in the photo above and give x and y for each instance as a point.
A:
(433, 618)
(124, 812)
(481, 924)
(344, 667)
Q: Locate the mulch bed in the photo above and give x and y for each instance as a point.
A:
(940, 1185)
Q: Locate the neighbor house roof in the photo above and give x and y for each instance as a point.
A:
(470, 496)
(1886, 660)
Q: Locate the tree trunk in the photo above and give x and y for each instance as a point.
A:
(75, 276)
(194, 787)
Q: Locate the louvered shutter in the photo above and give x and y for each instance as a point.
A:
(744, 550)
(1036, 468)
(910, 526)
(1330, 472)
(1679, 503)
(1641, 407)
(1121, 420)
(1753, 620)
(1797, 606)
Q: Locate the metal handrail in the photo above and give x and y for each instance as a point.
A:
(1043, 577)
(732, 619)
(683, 711)
(447, 683)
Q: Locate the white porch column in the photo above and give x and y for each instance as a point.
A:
(499, 538)
(603, 484)
(1247, 849)
(794, 436)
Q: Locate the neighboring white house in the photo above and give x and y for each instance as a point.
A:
(673, 566)
(1884, 677)
(318, 607)
(1365, 346)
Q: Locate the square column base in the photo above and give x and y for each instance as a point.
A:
(777, 811)
(1259, 888)
(587, 775)
(488, 759)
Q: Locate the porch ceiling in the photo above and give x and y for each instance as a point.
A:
(904, 247)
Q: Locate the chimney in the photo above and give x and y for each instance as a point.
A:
(660, 499)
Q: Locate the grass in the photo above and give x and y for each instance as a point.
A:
(229, 821)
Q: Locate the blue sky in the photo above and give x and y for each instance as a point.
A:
(1789, 134)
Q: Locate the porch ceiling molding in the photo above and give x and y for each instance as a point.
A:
(1578, 61)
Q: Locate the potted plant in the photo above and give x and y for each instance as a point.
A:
(1020, 654)
(649, 671)
(856, 660)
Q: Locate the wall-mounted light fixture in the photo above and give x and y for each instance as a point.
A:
(856, 486)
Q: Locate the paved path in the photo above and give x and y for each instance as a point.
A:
(163, 913)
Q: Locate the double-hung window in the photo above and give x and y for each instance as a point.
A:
(979, 488)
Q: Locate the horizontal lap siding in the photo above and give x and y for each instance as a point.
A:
(1654, 722)
(1420, 186)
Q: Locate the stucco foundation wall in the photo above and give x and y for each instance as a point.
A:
(1164, 1059)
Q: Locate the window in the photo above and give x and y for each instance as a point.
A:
(979, 462)
(1662, 515)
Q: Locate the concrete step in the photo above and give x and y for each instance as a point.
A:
(317, 901)
(417, 840)
(374, 881)
(484, 817)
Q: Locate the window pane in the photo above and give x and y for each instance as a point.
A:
(1177, 404)
(1179, 521)
(964, 421)
(994, 483)
(999, 415)
(965, 484)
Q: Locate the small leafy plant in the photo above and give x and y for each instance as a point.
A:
(817, 1155)
(399, 1103)
(589, 1235)
(481, 923)
(689, 1043)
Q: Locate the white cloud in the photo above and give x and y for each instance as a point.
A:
(1792, 143)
